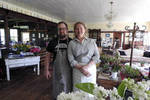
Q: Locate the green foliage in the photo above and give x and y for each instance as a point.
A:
(121, 89)
(110, 61)
(105, 66)
(86, 87)
(130, 72)
(116, 68)
(21, 47)
(142, 62)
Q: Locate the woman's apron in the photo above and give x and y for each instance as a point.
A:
(62, 78)
(79, 77)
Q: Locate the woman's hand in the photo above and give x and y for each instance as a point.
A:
(85, 72)
(78, 67)
(88, 65)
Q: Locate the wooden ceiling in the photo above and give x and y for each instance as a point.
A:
(15, 18)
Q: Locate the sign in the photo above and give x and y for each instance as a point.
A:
(107, 35)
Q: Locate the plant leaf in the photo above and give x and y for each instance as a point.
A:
(86, 87)
(121, 89)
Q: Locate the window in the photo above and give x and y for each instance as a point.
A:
(146, 39)
(25, 37)
(14, 35)
(2, 36)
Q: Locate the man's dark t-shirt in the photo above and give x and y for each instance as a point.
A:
(52, 46)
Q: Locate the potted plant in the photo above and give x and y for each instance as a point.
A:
(110, 64)
(142, 64)
(115, 69)
(129, 72)
(21, 48)
(35, 50)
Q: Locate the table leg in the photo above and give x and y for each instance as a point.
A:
(38, 69)
(34, 69)
(8, 74)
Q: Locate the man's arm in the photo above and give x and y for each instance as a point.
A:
(47, 64)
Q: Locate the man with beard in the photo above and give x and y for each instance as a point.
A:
(62, 72)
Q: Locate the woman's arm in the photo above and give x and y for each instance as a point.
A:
(71, 57)
(89, 64)
(96, 56)
(73, 62)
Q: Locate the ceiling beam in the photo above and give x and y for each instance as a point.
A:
(13, 14)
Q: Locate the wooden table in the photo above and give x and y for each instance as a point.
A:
(107, 84)
(106, 81)
(21, 62)
(1, 48)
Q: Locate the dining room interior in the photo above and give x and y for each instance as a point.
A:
(120, 28)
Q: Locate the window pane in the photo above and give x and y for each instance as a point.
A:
(14, 35)
(25, 37)
(2, 36)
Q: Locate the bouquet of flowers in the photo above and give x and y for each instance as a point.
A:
(91, 92)
(35, 50)
(139, 90)
(74, 96)
(21, 48)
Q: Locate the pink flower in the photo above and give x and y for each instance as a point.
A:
(35, 50)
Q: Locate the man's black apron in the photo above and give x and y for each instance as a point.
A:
(62, 77)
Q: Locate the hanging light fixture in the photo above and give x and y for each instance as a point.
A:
(109, 17)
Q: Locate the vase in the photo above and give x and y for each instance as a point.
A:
(114, 75)
(122, 76)
(21, 54)
(35, 53)
(17, 52)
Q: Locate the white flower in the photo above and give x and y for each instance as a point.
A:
(140, 91)
(64, 96)
(75, 96)
(114, 95)
(100, 93)
(130, 98)
(148, 83)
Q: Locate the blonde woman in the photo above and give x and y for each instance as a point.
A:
(83, 55)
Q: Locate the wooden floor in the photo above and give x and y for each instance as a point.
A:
(25, 85)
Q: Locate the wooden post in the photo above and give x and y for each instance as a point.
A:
(45, 28)
(37, 34)
(132, 44)
(0, 39)
(124, 40)
(19, 35)
(7, 32)
(134, 30)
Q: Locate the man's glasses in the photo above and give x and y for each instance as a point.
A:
(62, 29)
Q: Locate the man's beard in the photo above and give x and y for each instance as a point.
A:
(62, 36)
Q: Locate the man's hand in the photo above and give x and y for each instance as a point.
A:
(48, 74)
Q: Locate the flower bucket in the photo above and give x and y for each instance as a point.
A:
(123, 76)
(128, 94)
(114, 75)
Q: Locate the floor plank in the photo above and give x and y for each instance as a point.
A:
(26, 85)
